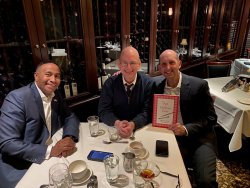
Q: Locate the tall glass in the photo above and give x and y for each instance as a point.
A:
(59, 176)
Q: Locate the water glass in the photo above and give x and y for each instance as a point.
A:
(139, 182)
(93, 125)
(59, 176)
(111, 164)
(113, 134)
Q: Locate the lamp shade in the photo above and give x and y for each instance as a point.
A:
(184, 42)
(170, 11)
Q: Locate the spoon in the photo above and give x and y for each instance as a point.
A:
(109, 142)
(132, 137)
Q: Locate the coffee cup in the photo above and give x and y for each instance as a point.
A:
(78, 169)
(137, 148)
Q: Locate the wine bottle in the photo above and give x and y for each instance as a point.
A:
(67, 89)
(74, 87)
(104, 75)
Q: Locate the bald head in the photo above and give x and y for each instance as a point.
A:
(129, 63)
(130, 51)
(169, 52)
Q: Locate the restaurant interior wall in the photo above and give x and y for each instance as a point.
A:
(85, 37)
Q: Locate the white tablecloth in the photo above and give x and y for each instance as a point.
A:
(38, 174)
(233, 116)
(238, 67)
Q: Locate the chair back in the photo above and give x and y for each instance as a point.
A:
(218, 69)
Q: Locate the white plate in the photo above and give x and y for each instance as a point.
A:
(84, 179)
(244, 100)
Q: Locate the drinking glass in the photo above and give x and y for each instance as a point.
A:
(149, 170)
(111, 164)
(137, 179)
(59, 176)
(93, 125)
(113, 134)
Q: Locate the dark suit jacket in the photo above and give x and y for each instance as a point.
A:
(197, 110)
(113, 103)
(23, 131)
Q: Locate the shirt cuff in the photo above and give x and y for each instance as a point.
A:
(49, 148)
(186, 130)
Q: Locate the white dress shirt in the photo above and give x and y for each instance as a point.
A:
(47, 113)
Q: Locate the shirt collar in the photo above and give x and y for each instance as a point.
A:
(124, 82)
(44, 97)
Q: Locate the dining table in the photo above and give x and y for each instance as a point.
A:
(38, 174)
(232, 109)
(240, 66)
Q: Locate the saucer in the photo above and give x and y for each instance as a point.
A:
(84, 179)
(101, 132)
(144, 155)
(244, 101)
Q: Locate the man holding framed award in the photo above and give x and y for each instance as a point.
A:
(193, 117)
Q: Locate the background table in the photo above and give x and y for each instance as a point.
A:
(233, 116)
(38, 174)
(238, 67)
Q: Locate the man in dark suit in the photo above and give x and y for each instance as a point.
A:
(29, 118)
(196, 118)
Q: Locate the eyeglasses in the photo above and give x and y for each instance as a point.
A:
(132, 64)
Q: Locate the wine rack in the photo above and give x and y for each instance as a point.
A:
(224, 37)
(200, 27)
(214, 25)
(140, 27)
(164, 26)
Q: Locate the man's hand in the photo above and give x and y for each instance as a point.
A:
(64, 147)
(125, 128)
(178, 129)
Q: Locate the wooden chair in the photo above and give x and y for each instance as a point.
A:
(218, 68)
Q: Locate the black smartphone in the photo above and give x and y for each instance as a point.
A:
(161, 148)
(95, 155)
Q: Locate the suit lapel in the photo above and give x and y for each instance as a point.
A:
(38, 101)
(185, 87)
(54, 115)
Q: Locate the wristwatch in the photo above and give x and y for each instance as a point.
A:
(72, 137)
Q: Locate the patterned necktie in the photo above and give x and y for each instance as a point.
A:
(129, 89)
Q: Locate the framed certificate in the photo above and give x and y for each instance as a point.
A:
(165, 110)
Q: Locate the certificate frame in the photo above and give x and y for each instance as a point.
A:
(165, 110)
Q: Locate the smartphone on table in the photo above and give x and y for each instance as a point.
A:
(161, 148)
(95, 155)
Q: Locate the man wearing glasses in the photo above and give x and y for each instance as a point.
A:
(196, 118)
(125, 97)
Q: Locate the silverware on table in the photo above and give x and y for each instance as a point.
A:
(110, 142)
(169, 174)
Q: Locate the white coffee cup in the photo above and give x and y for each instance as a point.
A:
(137, 148)
(78, 169)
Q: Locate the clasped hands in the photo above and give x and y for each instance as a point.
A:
(63, 148)
(125, 128)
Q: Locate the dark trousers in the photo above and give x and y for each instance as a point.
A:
(202, 158)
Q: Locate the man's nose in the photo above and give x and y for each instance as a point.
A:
(53, 78)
